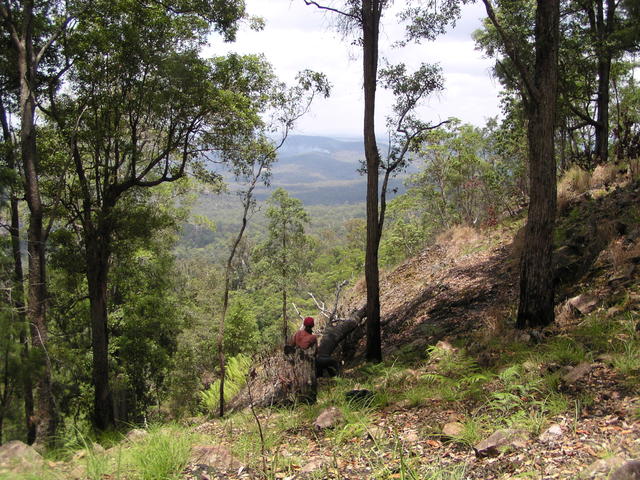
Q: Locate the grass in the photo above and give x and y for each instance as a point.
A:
(518, 391)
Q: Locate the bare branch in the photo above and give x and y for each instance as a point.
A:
(320, 306)
(330, 9)
(297, 311)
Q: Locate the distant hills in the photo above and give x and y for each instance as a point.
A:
(320, 170)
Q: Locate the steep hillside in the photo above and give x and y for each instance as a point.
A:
(467, 281)
(461, 395)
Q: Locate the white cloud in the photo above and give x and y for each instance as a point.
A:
(298, 37)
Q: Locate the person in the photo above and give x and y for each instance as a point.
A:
(305, 339)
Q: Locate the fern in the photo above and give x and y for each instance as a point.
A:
(235, 378)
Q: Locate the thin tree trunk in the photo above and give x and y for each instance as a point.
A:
(371, 12)
(17, 296)
(536, 307)
(602, 123)
(604, 26)
(285, 326)
(227, 273)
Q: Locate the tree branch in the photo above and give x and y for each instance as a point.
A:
(52, 39)
(512, 51)
(330, 9)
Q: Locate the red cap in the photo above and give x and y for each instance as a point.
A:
(308, 322)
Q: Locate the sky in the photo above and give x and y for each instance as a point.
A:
(298, 37)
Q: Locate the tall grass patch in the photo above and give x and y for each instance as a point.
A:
(161, 455)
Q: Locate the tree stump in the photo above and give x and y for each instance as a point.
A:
(285, 378)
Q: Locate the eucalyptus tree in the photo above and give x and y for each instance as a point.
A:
(144, 109)
(10, 174)
(611, 31)
(595, 36)
(34, 30)
(286, 106)
(283, 255)
(424, 20)
(538, 84)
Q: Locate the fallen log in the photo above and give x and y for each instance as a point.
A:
(338, 330)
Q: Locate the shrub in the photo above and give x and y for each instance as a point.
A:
(603, 175)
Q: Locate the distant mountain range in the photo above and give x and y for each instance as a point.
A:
(321, 170)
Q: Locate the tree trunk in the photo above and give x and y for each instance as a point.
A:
(18, 287)
(37, 291)
(536, 307)
(285, 326)
(97, 258)
(335, 333)
(602, 122)
(605, 26)
(371, 11)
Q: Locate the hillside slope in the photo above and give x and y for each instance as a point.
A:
(461, 395)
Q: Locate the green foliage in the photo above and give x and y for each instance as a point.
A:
(284, 256)
(241, 330)
(468, 176)
(236, 372)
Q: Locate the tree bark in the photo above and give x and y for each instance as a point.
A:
(602, 122)
(371, 13)
(97, 259)
(604, 30)
(17, 296)
(45, 417)
(536, 306)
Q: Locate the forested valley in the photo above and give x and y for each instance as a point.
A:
(165, 230)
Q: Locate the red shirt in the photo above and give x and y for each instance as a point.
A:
(303, 339)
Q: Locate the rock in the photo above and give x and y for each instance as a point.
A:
(453, 429)
(314, 463)
(136, 435)
(551, 434)
(501, 440)
(375, 432)
(523, 337)
(18, 455)
(328, 418)
(602, 467)
(410, 436)
(584, 303)
(623, 276)
(95, 448)
(629, 471)
(577, 372)
(215, 456)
